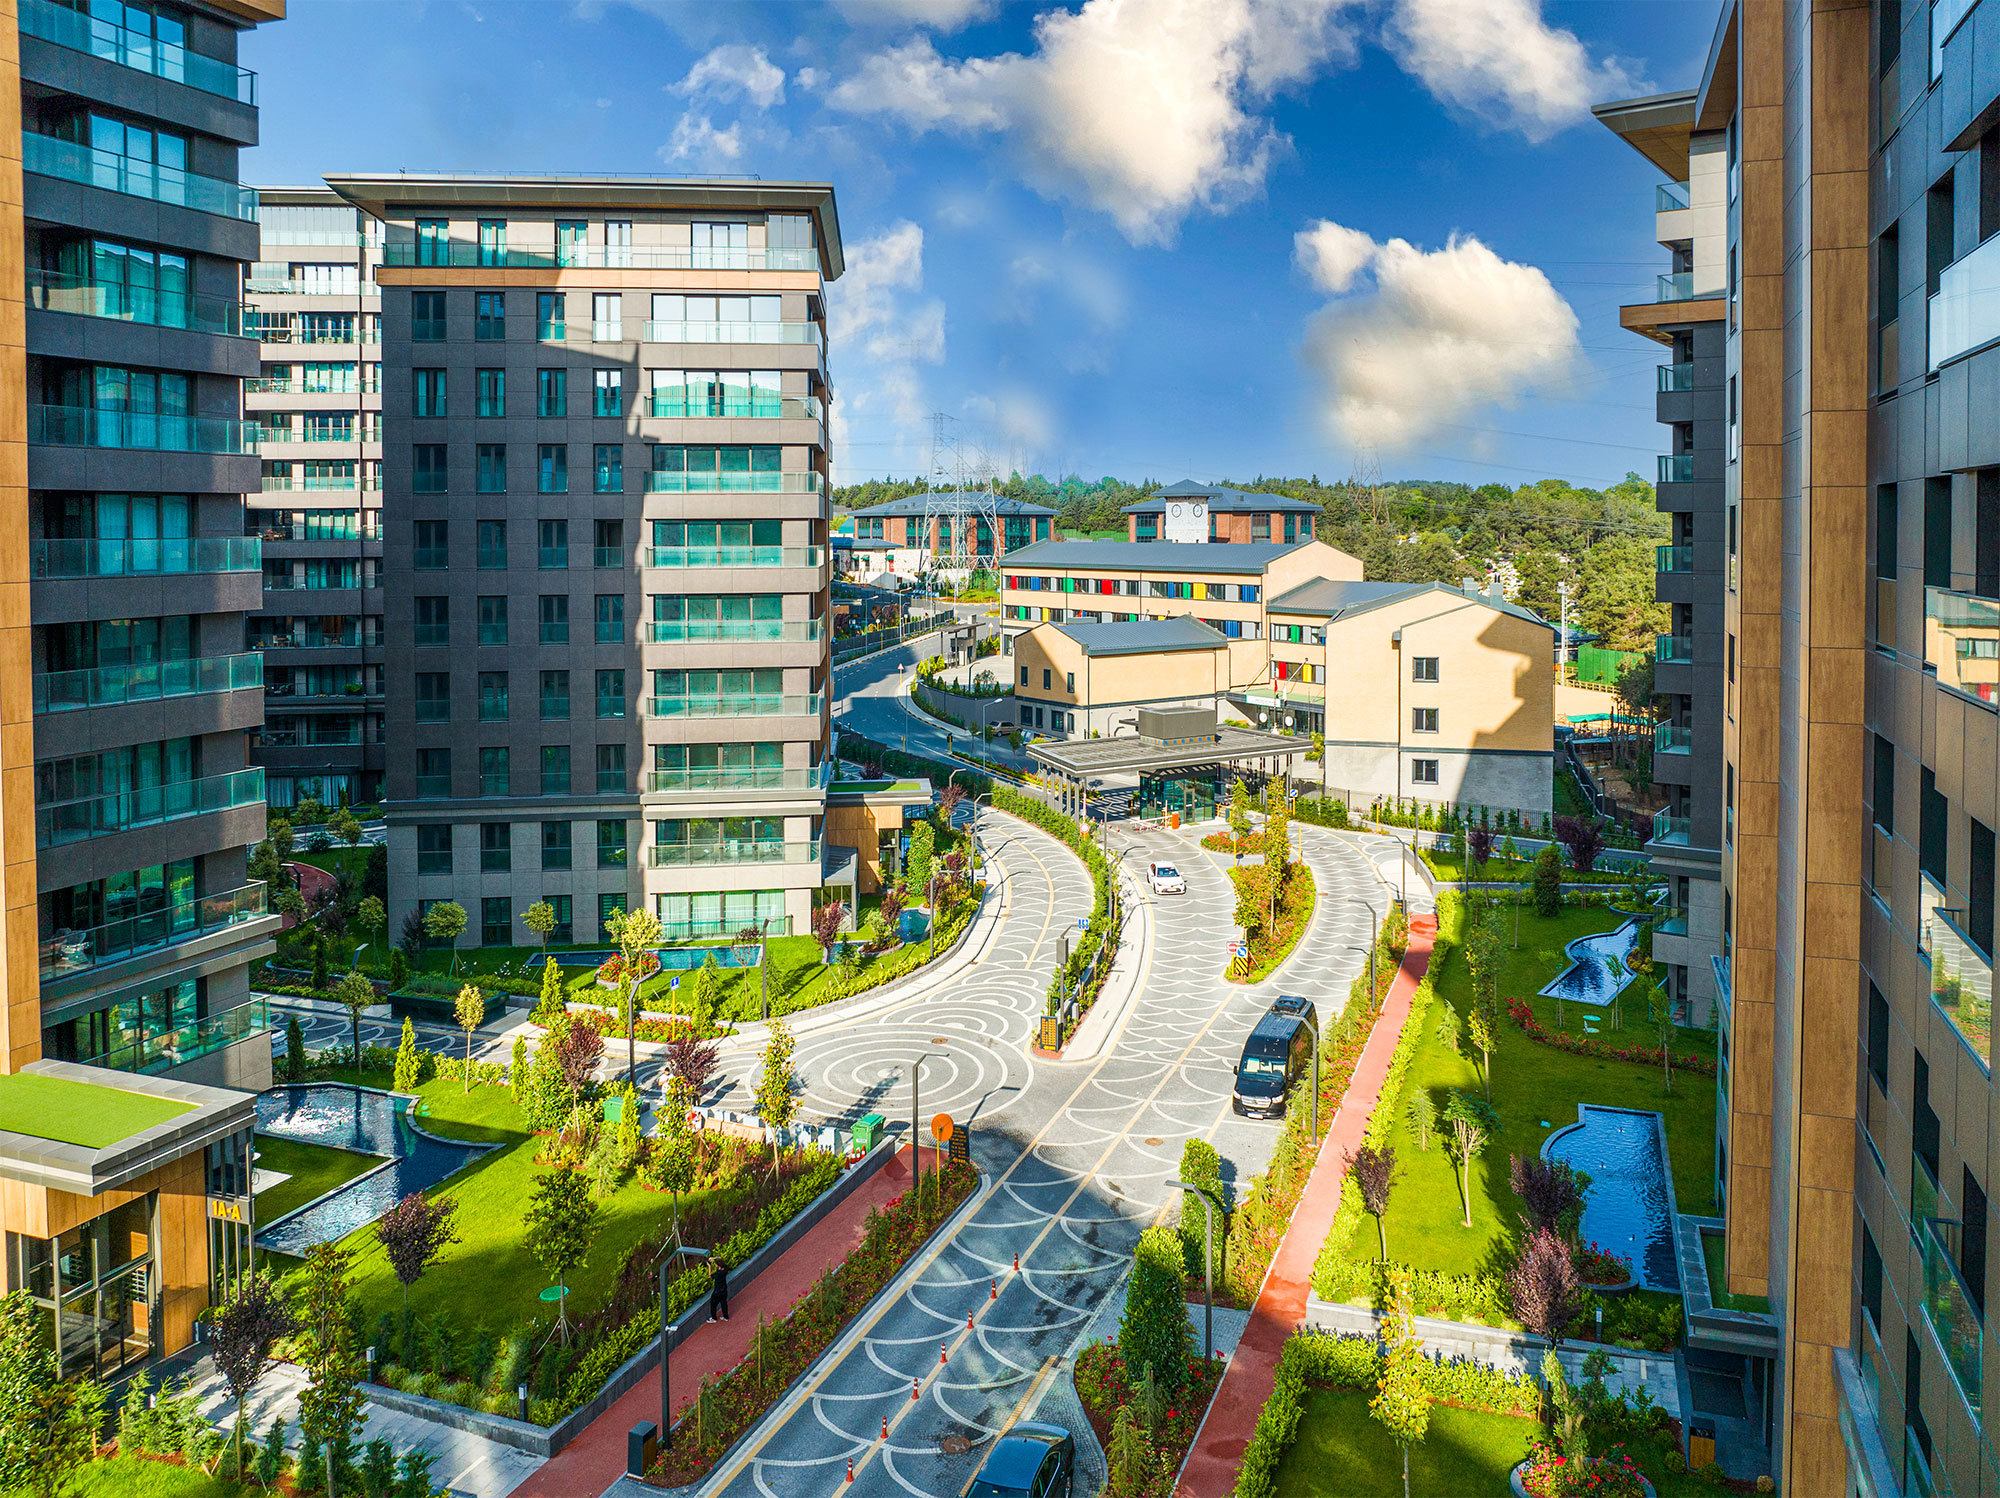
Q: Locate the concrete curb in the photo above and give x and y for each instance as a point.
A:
(1108, 1014)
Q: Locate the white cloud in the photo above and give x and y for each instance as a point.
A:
(939, 15)
(696, 138)
(1499, 60)
(732, 72)
(1019, 423)
(808, 79)
(1443, 333)
(885, 327)
(1331, 255)
(1139, 108)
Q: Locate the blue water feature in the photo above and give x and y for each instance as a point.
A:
(672, 959)
(1597, 968)
(1630, 1208)
(373, 1123)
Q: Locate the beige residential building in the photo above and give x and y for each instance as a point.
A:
(1085, 679)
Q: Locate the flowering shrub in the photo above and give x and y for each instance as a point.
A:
(612, 969)
(1599, 1266)
(1579, 1045)
(1549, 1474)
(1102, 1385)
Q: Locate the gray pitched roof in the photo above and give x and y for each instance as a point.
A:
(1154, 556)
(913, 504)
(1324, 598)
(1143, 636)
(1220, 499)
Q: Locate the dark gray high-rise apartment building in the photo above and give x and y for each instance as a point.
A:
(141, 577)
(604, 547)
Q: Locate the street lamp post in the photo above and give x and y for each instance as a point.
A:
(916, 1111)
(1312, 1024)
(987, 797)
(666, 1412)
(1207, 1266)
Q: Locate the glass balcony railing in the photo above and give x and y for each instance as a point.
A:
(1677, 287)
(752, 705)
(1675, 377)
(291, 483)
(284, 332)
(1916, 1468)
(1669, 197)
(1673, 558)
(267, 434)
(733, 556)
(687, 631)
(670, 782)
(138, 50)
(597, 257)
(88, 426)
(284, 385)
(76, 951)
(744, 331)
(1965, 313)
(760, 407)
(156, 557)
(51, 291)
(1930, 895)
(434, 785)
(1673, 648)
(1668, 828)
(1676, 468)
(111, 686)
(1962, 982)
(659, 481)
(95, 816)
(172, 1048)
(1674, 922)
(1950, 1310)
(1962, 642)
(1670, 738)
(680, 855)
(49, 157)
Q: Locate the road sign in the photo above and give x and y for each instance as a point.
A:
(941, 1127)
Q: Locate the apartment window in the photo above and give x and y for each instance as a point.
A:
(1940, 216)
(607, 393)
(611, 693)
(493, 241)
(610, 768)
(611, 845)
(555, 769)
(1933, 821)
(1972, 1238)
(571, 237)
(1979, 887)
(550, 324)
(432, 691)
(553, 548)
(493, 545)
(1888, 301)
(1045, 681)
(565, 930)
(1937, 532)
(606, 318)
(1986, 530)
(1871, 1279)
(1878, 1037)
(555, 618)
(555, 696)
(1069, 682)
(496, 848)
(489, 321)
(428, 392)
(1024, 676)
(552, 392)
(493, 773)
(492, 619)
(617, 243)
(492, 462)
(1423, 668)
(1423, 772)
(433, 621)
(555, 845)
(496, 921)
(610, 911)
(492, 697)
(427, 317)
(491, 387)
(1423, 720)
(433, 847)
(608, 543)
(427, 468)
(552, 468)
(608, 468)
(610, 618)
(1884, 783)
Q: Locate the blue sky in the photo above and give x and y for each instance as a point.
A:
(1075, 230)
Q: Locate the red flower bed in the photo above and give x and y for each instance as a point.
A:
(1599, 1266)
(612, 968)
(1101, 1384)
(1549, 1474)
(1578, 1045)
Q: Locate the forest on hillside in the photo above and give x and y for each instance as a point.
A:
(1599, 541)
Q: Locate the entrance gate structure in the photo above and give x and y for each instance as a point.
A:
(1182, 758)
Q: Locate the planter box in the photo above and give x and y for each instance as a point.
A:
(1514, 1484)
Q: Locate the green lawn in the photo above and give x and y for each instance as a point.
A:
(1341, 1452)
(314, 1170)
(89, 1114)
(1515, 870)
(135, 1477)
(354, 860)
(1712, 1252)
(1535, 1089)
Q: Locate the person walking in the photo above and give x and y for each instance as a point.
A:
(718, 1290)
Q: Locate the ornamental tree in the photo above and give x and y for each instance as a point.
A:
(1402, 1403)
(551, 1002)
(560, 1221)
(1480, 1029)
(413, 1233)
(922, 843)
(1548, 882)
(1374, 1173)
(445, 922)
(469, 1009)
(637, 933)
(671, 1163)
(1239, 816)
(330, 1406)
(1470, 1123)
(691, 1060)
(409, 1066)
(1584, 838)
(826, 924)
(371, 915)
(1543, 1287)
(777, 1098)
(240, 1336)
(1153, 1331)
(1479, 844)
(48, 1427)
(354, 993)
(540, 919)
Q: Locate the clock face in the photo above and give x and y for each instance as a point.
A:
(1177, 512)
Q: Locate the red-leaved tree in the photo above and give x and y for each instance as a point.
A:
(1479, 842)
(1584, 838)
(578, 1050)
(1374, 1172)
(691, 1059)
(414, 1232)
(826, 926)
(1543, 1287)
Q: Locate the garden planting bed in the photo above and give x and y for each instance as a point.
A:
(1103, 1390)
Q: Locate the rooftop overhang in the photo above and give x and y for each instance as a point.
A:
(1657, 320)
(253, 12)
(1718, 90)
(214, 1113)
(1657, 127)
(1082, 759)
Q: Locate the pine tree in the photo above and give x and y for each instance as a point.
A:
(517, 1070)
(550, 1004)
(409, 1064)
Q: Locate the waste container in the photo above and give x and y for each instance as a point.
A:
(868, 1132)
(1701, 1446)
(642, 1448)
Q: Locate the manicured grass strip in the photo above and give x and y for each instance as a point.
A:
(136, 1477)
(1498, 870)
(90, 1114)
(1714, 1253)
(1341, 1452)
(313, 1170)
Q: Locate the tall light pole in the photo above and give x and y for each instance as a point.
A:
(681, 1251)
(1207, 1266)
(1562, 650)
(916, 1110)
(987, 797)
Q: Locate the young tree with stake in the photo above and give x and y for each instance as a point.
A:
(1402, 1404)
(355, 994)
(445, 922)
(413, 1233)
(672, 1161)
(560, 1219)
(240, 1337)
(540, 919)
(637, 933)
(1374, 1172)
(1470, 1123)
(777, 1099)
(470, 1012)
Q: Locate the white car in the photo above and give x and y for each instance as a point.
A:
(1165, 879)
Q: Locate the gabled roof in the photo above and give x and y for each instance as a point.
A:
(1324, 598)
(915, 504)
(1143, 636)
(1156, 556)
(1221, 500)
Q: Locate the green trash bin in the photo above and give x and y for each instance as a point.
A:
(868, 1132)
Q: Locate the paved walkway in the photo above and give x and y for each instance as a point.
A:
(596, 1459)
(1210, 1470)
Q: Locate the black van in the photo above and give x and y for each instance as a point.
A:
(1277, 1054)
(1290, 1003)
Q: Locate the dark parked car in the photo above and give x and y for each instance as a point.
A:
(1277, 1053)
(1032, 1460)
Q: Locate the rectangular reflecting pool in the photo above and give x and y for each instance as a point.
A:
(1630, 1208)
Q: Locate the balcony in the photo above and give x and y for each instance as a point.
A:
(149, 681)
(137, 50)
(1670, 197)
(172, 1048)
(1674, 922)
(49, 157)
(662, 482)
(671, 782)
(1673, 558)
(1948, 1307)
(1676, 468)
(1676, 377)
(96, 816)
(65, 952)
(686, 855)
(89, 426)
(283, 385)
(688, 631)
(434, 785)
(312, 337)
(734, 556)
(1673, 648)
(289, 483)
(1677, 287)
(596, 257)
(1671, 829)
(731, 332)
(738, 408)
(1962, 982)
(347, 435)
(1962, 642)
(158, 557)
(51, 291)
(1965, 313)
(771, 705)
(1671, 738)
